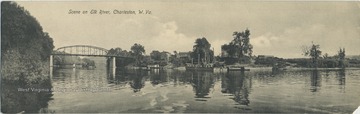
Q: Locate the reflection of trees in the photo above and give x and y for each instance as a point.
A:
(158, 76)
(14, 101)
(120, 78)
(202, 82)
(315, 80)
(184, 77)
(135, 78)
(341, 77)
(239, 85)
(137, 81)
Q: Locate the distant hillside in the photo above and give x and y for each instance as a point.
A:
(353, 57)
(100, 62)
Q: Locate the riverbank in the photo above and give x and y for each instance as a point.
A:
(301, 68)
(251, 68)
(70, 66)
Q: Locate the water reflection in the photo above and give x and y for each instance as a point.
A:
(269, 87)
(237, 84)
(315, 81)
(15, 100)
(202, 82)
(121, 78)
(157, 76)
(268, 91)
(135, 78)
(341, 78)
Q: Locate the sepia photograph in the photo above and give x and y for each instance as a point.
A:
(202, 56)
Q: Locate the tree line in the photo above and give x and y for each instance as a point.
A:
(317, 60)
(137, 51)
(25, 47)
(62, 61)
(202, 53)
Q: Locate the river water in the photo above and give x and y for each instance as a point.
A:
(292, 91)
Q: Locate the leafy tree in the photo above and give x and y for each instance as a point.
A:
(240, 45)
(341, 55)
(68, 60)
(88, 62)
(23, 33)
(314, 52)
(120, 62)
(118, 52)
(137, 51)
(326, 56)
(176, 61)
(155, 55)
(25, 51)
(201, 51)
(23, 43)
(242, 40)
(111, 52)
(230, 49)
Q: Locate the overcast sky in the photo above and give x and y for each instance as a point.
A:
(277, 28)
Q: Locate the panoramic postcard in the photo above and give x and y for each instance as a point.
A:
(136, 56)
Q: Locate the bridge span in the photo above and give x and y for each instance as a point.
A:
(86, 50)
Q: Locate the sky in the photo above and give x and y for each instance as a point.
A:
(277, 28)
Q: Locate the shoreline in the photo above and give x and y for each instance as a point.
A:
(270, 68)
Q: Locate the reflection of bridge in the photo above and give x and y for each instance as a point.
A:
(85, 50)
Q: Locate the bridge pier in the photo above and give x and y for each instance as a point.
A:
(113, 61)
(51, 65)
(51, 61)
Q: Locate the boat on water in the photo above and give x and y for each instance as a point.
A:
(237, 69)
(198, 67)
